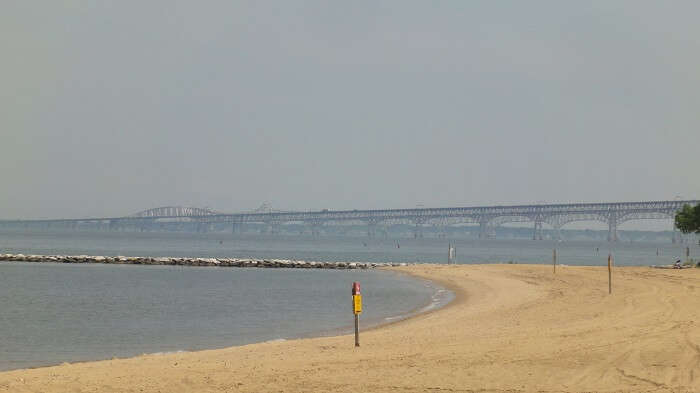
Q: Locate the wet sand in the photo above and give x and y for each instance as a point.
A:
(511, 328)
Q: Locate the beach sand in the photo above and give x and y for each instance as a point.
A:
(511, 328)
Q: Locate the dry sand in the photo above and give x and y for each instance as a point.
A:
(511, 328)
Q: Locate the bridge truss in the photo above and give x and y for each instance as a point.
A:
(487, 217)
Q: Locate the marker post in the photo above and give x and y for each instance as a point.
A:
(357, 310)
(610, 263)
(554, 260)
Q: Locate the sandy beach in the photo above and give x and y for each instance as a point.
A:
(511, 328)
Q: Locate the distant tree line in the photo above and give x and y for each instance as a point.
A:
(688, 219)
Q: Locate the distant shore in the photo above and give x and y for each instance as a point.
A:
(510, 328)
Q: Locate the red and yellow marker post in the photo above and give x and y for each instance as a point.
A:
(357, 310)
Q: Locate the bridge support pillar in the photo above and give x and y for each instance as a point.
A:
(612, 228)
(537, 231)
(316, 229)
(486, 230)
(203, 227)
(557, 232)
(371, 229)
(676, 236)
(418, 231)
(418, 228)
(440, 229)
(372, 225)
(384, 230)
(271, 227)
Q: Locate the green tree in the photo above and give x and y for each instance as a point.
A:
(688, 219)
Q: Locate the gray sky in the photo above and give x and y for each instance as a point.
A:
(108, 108)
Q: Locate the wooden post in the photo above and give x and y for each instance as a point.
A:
(610, 273)
(356, 309)
(554, 260)
(687, 254)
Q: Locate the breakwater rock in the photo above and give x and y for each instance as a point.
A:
(219, 262)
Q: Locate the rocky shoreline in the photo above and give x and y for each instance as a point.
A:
(217, 262)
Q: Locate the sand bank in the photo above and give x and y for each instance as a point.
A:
(511, 328)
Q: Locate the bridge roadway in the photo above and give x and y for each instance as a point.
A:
(487, 217)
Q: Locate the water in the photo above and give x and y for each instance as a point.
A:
(339, 248)
(54, 313)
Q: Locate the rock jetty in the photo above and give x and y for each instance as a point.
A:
(218, 262)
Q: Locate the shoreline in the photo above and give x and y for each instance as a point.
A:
(416, 312)
(343, 331)
(458, 296)
(432, 302)
(551, 332)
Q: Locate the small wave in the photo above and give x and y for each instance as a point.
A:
(439, 298)
(433, 304)
(165, 353)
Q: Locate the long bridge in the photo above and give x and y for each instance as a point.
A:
(486, 217)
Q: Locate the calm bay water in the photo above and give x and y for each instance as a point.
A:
(55, 313)
(338, 248)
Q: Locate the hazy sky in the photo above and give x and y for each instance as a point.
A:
(108, 108)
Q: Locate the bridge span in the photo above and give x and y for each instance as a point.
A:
(486, 217)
